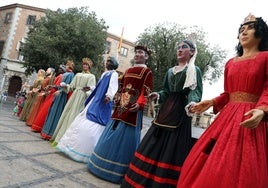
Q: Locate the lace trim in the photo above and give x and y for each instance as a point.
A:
(139, 65)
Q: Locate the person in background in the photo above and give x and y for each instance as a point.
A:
(80, 139)
(80, 88)
(20, 102)
(58, 104)
(121, 136)
(4, 96)
(159, 157)
(233, 151)
(40, 118)
(16, 109)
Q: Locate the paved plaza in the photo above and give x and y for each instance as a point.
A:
(26, 160)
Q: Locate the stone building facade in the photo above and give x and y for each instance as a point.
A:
(15, 21)
(125, 55)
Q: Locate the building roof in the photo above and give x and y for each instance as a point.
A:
(15, 5)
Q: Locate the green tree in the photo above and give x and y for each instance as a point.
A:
(66, 34)
(162, 39)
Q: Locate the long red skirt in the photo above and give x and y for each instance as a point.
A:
(227, 154)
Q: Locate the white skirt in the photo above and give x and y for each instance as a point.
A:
(79, 140)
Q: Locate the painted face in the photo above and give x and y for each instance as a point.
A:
(85, 67)
(108, 65)
(184, 52)
(48, 72)
(140, 56)
(246, 36)
(183, 46)
(41, 72)
(60, 71)
(69, 67)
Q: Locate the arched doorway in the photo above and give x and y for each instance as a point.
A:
(15, 84)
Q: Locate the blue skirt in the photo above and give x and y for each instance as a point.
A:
(115, 149)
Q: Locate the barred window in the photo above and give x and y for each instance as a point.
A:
(31, 20)
(107, 47)
(8, 17)
(123, 51)
(1, 46)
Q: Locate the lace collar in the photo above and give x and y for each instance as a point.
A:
(139, 65)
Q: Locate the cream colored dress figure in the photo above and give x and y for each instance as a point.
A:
(81, 137)
(80, 86)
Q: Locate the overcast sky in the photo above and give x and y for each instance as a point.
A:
(220, 19)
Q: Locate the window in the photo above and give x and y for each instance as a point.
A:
(1, 46)
(107, 47)
(8, 17)
(31, 20)
(20, 54)
(123, 51)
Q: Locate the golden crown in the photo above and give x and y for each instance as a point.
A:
(249, 18)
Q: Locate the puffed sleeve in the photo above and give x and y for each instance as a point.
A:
(113, 85)
(91, 82)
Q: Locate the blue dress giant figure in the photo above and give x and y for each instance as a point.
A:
(121, 135)
(58, 104)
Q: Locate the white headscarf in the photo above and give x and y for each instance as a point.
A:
(190, 81)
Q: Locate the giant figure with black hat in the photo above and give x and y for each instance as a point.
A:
(121, 135)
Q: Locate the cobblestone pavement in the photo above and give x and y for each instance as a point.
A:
(26, 160)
